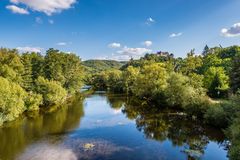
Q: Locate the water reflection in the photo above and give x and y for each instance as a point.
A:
(45, 151)
(162, 125)
(117, 127)
(116, 101)
(15, 136)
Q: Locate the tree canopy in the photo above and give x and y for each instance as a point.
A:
(29, 81)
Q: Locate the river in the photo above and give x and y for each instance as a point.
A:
(110, 127)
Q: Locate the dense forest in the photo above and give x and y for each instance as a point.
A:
(30, 81)
(204, 86)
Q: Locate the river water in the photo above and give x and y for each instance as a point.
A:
(110, 127)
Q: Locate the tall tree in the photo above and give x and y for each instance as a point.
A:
(216, 81)
(27, 83)
(205, 50)
(191, 64)
(235, 73)
(72, 71)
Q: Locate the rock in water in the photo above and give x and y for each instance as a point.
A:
(88, 146)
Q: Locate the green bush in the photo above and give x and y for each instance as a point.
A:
(9, 73)
(64, 68)
(233, 134)
(115, 81)
(178, 91)
(99, 81)
(216, 81)
(129, 77)
(181, 93)
(110, 80)
(52, 92)
(216, 116)
(221, 115)
(151, 81)
(11, 100)
(33, 101)
(197, 106)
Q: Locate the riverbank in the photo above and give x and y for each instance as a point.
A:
(32, 81)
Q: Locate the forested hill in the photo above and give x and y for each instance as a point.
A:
(94, 66)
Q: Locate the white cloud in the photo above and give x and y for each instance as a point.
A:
(16, 9)
(51, 21)
(30, 49)
(147, 43)
(175, 35)
(150, 21)
(38, 20)
(46, 6)
(133, 51)
(61, 43)
(127, 53)
(233, 31)
(114, 45)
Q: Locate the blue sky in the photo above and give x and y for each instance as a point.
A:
(119, 29)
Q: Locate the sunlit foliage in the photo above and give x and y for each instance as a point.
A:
(31, 80)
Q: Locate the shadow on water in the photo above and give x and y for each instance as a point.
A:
(17, 135)
(166, 124)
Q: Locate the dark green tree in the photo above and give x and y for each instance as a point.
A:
(205, 50)
(235, 73)
(27, 83)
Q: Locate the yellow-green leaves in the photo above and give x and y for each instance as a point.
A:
(12, 98)
(51, 91)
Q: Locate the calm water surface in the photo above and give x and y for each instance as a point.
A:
(115, 128)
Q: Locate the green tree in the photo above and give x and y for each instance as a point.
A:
(181, 93)
(72, 71)
(12, 98)
(99, 81)
(33, 101)
(216, 81)
(151, 81)
(191, 64)
(233, 133)
(235, 73)
(27, 83)
(115, 81)
(51, 91)
(129, 77)
(205, 50)
(211, 60)
(37, 61)
(12, 61)
(9, 73)
(64, 68)
(53, 65)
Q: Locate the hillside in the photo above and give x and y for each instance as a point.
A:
(93, 66)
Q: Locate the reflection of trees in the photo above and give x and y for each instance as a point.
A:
(116, 101)
(166, 124)
(15, 137)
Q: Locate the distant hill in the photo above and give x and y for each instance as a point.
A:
(94, 66)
